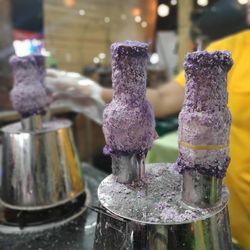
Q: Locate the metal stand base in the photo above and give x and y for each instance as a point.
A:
(151, 215)
(21, 221)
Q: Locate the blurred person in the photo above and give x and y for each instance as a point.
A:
(167, 100)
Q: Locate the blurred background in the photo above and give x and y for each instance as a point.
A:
(75, 35)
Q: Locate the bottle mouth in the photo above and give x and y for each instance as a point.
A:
(128, 49)
(199, 59)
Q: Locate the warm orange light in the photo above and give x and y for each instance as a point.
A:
(69, 3)
(136, 11)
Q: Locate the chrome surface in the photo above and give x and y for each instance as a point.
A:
(32, 123)
(156, 199)
(128, 168)
(39, 169)
(68, 234)
(156, 218)
(210, 234)
(200, 190)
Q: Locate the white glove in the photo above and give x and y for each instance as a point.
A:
(79, 93)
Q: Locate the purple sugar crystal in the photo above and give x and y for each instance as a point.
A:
(29, 96)
(204, 122)
(128, 121)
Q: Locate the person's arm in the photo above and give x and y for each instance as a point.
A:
(107, 94)
(165, 100)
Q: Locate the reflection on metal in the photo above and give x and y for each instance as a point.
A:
(157, 215)
(73, 233)
(40, 168)
(128, 168)
(32, 123)
(201, 190)
(209, 234)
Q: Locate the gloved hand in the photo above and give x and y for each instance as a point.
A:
(79, 93)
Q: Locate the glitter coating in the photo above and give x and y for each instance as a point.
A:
(205, 118)
(29, 96)
(128, 121)
(155, 199)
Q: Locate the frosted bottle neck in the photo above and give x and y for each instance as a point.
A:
(129, 80)
(206, 89)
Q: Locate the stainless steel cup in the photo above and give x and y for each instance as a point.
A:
(163, 211)
(212, 233)
(40, 168)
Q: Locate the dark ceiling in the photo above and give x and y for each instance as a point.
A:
(222, 19)
(27, 15)
(218, 19)
(170, 22)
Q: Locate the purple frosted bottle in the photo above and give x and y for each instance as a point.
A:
(204, 121)
(204, 126)
(128, 121)
(29, 96)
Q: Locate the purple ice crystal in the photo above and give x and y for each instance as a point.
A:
(29, 96)
(128, 121)
(205, 119)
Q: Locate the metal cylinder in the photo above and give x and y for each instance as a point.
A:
(128, 168)
(201, 191)
(151, 214)
(212, 233)
(39, 169)
(32, 123)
